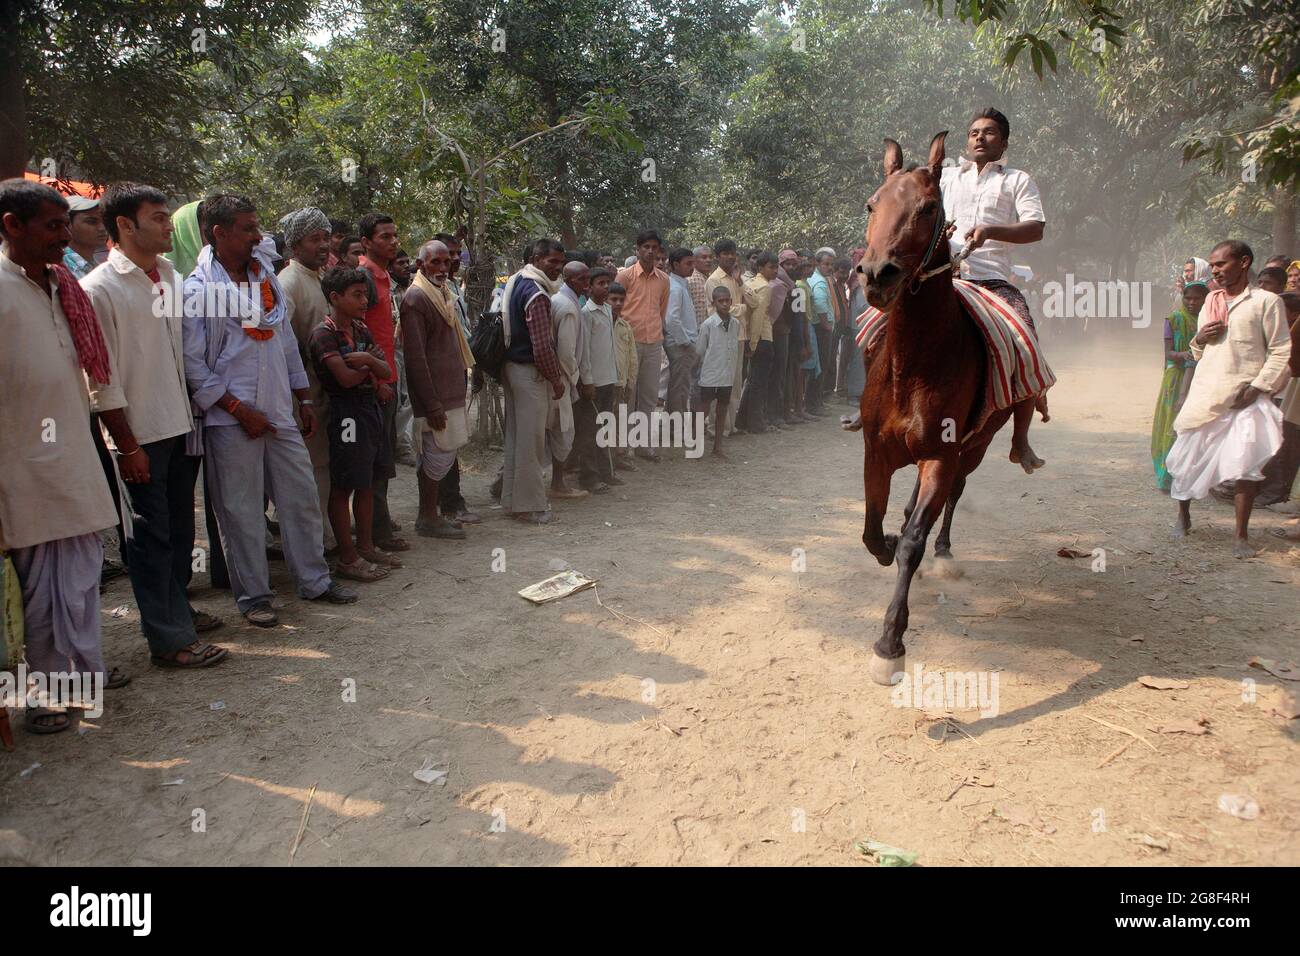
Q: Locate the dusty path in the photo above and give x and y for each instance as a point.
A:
(736, 725)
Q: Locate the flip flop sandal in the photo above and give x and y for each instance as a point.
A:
(261, 616)
(203, 621)
(37, 713)
(116, 679)
(393, 544)
(197, 658)
(360, 570)
(381, 558)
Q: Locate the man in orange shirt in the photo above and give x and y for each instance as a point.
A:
(644, 309)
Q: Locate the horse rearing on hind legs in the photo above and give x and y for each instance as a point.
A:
(927, 398)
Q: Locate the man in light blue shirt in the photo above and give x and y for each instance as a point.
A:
(681, 328)
(821, 315)
(243, 368)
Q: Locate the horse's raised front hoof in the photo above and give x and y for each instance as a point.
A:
(886, 557)
(887, 672)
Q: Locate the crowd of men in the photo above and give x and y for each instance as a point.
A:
(292, 372)
(751, 346)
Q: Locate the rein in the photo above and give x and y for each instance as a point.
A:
(942, 231)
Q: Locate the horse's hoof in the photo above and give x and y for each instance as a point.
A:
(943, 553)
(887, 672)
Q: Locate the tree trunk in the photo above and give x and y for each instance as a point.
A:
(1284, 223)
(14, 142)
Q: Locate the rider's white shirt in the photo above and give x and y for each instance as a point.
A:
(998, 196)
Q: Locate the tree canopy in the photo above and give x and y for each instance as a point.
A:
(1145, 123)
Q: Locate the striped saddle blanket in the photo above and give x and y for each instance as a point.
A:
(1017, 368)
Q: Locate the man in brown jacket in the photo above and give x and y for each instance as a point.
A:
(437, 356)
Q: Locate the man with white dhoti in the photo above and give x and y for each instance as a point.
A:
(437, 355)
(53, 496)
(1228, 428)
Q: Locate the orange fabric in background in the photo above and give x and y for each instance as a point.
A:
(67, 187)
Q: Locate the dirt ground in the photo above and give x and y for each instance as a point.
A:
(707, 704)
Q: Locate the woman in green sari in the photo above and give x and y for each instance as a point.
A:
(1180, 329)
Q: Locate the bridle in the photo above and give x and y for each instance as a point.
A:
(943, 231)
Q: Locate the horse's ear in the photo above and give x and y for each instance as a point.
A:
(893, 156)
(937, 154)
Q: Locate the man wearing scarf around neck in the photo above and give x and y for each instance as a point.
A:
(244, 370)
(450, 500)
(53, 497)
(437, 355)
(1228, 428)
(531, 377)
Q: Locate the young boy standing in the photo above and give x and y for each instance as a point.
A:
(625, 361)
(598, 371)
(718, 347)
(349, 367)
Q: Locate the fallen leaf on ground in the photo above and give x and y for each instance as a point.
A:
(885, 855)
(1073, 553)
(1146, 839)
(1163, 683)
(1283, 669)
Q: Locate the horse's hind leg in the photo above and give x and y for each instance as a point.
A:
(943, 541)
(881, 545)
(911, 504)
(890, 657)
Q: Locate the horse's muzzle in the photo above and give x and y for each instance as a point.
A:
(880, 281)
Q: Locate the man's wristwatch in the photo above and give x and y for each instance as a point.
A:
(305, 401)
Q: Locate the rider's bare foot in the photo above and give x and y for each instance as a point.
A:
(1024, 456)
(1241, 548)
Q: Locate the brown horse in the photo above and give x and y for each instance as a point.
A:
(925, 382)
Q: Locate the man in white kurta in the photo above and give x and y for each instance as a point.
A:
(1228, 427)
(53, 496)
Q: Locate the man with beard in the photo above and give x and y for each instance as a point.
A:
(244, 371)
(436, 351)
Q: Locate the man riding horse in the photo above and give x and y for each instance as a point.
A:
(995, 207)
(949, 361)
